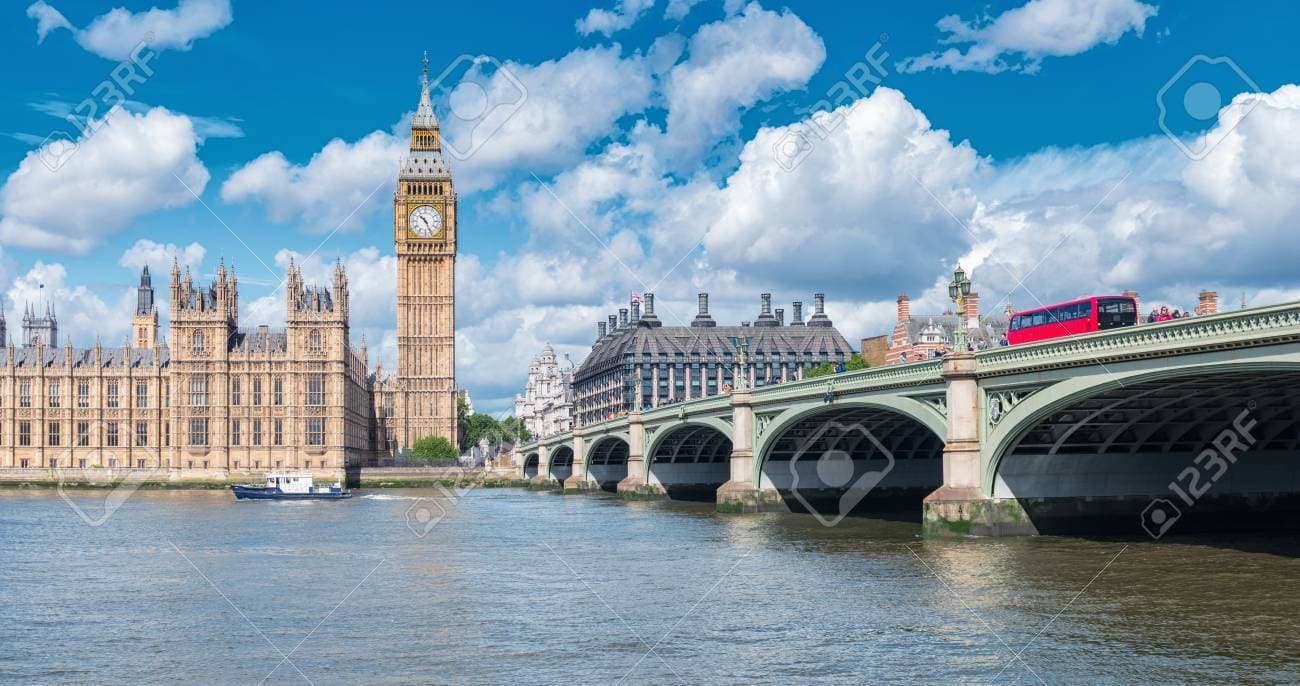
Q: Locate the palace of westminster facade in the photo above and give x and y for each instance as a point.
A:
(221, 398)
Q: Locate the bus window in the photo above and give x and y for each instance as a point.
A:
(1115, 312)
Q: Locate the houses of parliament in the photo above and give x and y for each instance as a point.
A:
(213, 398)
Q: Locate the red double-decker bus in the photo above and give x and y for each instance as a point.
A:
(1076, 317)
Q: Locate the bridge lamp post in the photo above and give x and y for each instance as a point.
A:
(958, 290)
(741, 344)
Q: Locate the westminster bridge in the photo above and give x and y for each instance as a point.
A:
(1193, 422)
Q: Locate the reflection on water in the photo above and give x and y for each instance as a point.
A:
(519, 587)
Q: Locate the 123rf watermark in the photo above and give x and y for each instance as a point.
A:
(821, 464)
(108, 97)
(482, 94)
(823, 117)
(1195, 480)
(426, 512)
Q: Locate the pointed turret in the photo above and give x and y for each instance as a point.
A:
(424, 117)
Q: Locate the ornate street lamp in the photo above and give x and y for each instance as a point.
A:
(958, 290)
(741, 344)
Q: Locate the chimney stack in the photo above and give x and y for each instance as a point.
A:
(780, 317)
(636, 311)
(765, 317)
(600, 330)
(1209, 303)
(819, 317)
(648, 317)
(622, 317)
(702, 318)
(973, 307)
(613, 324)
(796, 319)
(904, 308)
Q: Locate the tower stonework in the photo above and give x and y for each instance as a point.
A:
(144, 323)
(424, 235)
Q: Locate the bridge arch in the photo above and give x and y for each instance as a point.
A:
(561, 463)
(1219, 443)
(853, 456)
(607, 461)
(531, 462)
(690, 461)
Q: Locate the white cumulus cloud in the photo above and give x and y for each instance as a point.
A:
(67, 198)
(337, 188)
(733, 64)
(607, 22)
(116, 33)
(1019, 39)
(158, 257)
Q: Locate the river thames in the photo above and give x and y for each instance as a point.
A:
(511, 586)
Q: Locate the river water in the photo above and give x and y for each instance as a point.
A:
(517, 587)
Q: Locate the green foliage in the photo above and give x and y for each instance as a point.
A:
(515, 429)
(433, 448)
(823, 369)
(477, 426)
(853, 364)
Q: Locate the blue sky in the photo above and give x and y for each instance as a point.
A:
(644, 156)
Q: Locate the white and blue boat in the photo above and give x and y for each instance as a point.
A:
(290, 486)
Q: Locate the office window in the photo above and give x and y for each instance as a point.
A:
(141, 434)
(53, 435)
(167, 395)
(167, 436)
(198, 432)
(278, 436)
(314, 342)
(257, 432)
(199, 393)
(234, 433)
(83, 394)
(111, 438)
(316, 389)
(24, 434)
(112, 393)
(141, 394)
(54, 394)
(277, 393)
(316, 431)
(257, 391)
(235, 388)
(83, 434)
(25, 394)
(197, 342)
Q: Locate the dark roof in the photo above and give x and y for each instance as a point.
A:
(260, 340)
(84, 357)
(642, 341)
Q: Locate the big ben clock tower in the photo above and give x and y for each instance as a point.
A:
(424, 233)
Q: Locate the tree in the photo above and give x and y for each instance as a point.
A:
(432, 449)
(853, 364)
(823, 369)
(478, 426)
(514, 429)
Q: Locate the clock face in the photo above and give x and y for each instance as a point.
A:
(425, 221)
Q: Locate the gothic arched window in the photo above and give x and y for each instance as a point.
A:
(314, 341)
(197, 341)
